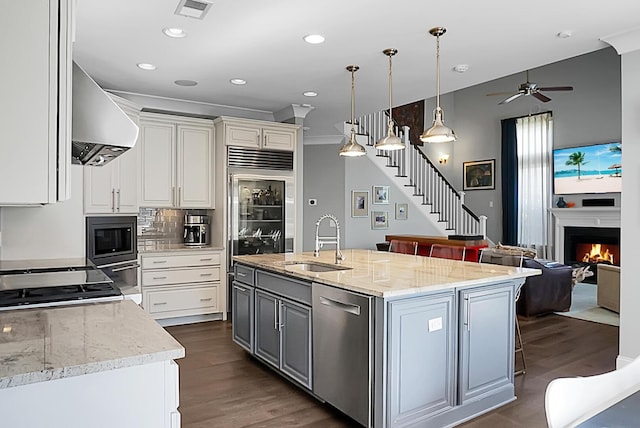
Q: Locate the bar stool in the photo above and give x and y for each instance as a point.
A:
(510, 258)
(452, 252)
(403, 247)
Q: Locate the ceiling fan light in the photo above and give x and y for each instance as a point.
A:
(352, 148)
(439, 132)
(391, 141)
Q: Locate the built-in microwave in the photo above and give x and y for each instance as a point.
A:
(112, 239)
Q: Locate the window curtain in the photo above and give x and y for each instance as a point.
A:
(509, 160)
(534, 135)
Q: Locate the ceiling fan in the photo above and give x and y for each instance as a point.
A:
(530, 88)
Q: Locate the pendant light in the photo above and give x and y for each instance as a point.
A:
(351, 147)
(391, 141)
(439, 132)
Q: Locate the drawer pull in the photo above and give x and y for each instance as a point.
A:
(159, 303)
(159, 277)
(242, 274)
(206, 274)
(207, 300)
(206, 260)
(159, 261)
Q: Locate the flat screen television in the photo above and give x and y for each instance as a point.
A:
(595, 168)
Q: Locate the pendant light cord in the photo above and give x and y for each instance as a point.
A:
(390, 94)
(438, 72)
(353, 96)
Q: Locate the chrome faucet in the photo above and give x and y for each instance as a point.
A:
(321, 240)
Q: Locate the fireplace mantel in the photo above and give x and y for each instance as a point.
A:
(580, 217)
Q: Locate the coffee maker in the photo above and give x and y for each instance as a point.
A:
(196, 230)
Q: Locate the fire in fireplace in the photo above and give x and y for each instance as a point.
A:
(597, 253)
(591, 246)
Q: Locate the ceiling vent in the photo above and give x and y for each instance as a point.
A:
(193, 8)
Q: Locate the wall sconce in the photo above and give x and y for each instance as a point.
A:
(443, 158)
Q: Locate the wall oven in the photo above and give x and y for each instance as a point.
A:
(112, 246)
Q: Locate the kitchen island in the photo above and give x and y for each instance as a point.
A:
(97, 364)
(392, 340)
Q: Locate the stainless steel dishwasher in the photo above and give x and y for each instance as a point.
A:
(343, 350)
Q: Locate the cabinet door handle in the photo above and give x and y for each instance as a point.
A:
(159, 261)
(118, 206)
(159, 277)
(113, 200)
(207, 300)
(280, 324)
(173, 196)
(179, 196)
(275, 314)
(159, 303)
(467, 312)
(241, 274)
(240, 288)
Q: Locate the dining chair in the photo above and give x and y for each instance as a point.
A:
(570, 401)
(452, 252)
(403, 247)
(508, 258)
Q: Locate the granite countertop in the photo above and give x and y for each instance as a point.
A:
(383, 274)
(44, 344)
(159, 247)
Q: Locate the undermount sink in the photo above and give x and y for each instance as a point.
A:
(315, 267)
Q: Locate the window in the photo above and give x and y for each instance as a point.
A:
(534, 137)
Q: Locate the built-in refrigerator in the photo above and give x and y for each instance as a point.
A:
(261, 214)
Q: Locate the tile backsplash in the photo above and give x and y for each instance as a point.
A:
(162, 225)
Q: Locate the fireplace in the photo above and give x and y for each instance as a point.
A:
(591, 246)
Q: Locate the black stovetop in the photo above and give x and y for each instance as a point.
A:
(54, 286)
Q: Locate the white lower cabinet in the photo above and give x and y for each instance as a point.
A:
(182, 284)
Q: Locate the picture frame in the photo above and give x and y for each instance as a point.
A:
(359, 203)
(479, 175)
(379, 220)
(381, 195)
(401, 211)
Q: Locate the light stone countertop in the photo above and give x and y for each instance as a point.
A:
(384, 274)
(44, 344)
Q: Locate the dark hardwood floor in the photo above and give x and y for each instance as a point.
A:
(221, 386)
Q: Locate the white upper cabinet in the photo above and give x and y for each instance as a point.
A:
(113, 188)
(257, 134)
(35, 111)
(176, 162)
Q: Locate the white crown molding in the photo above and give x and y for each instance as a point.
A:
(624, 41)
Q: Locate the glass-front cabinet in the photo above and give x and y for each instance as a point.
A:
(258, 220)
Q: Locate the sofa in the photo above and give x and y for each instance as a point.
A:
(549, 292)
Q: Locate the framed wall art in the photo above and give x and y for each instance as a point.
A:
(380, 194)
(359, 203)
(379, 220)
(479, 175)
(401, 211)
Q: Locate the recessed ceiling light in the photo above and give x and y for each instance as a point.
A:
(174, 32)
(310, 94)
(186, 82)
(238, 81)
(565, 34)
(461, 68)
(313, 39)
(146, 66)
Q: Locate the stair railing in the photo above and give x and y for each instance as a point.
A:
(427, 181)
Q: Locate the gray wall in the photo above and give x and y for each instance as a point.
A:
(324, 181)
(589, 114)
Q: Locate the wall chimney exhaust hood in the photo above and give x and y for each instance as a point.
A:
(101, 130)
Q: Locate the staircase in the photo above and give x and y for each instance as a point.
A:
(423, 184)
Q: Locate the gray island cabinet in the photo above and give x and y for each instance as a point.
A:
(391, 340)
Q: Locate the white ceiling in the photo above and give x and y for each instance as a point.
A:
(261, 42)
